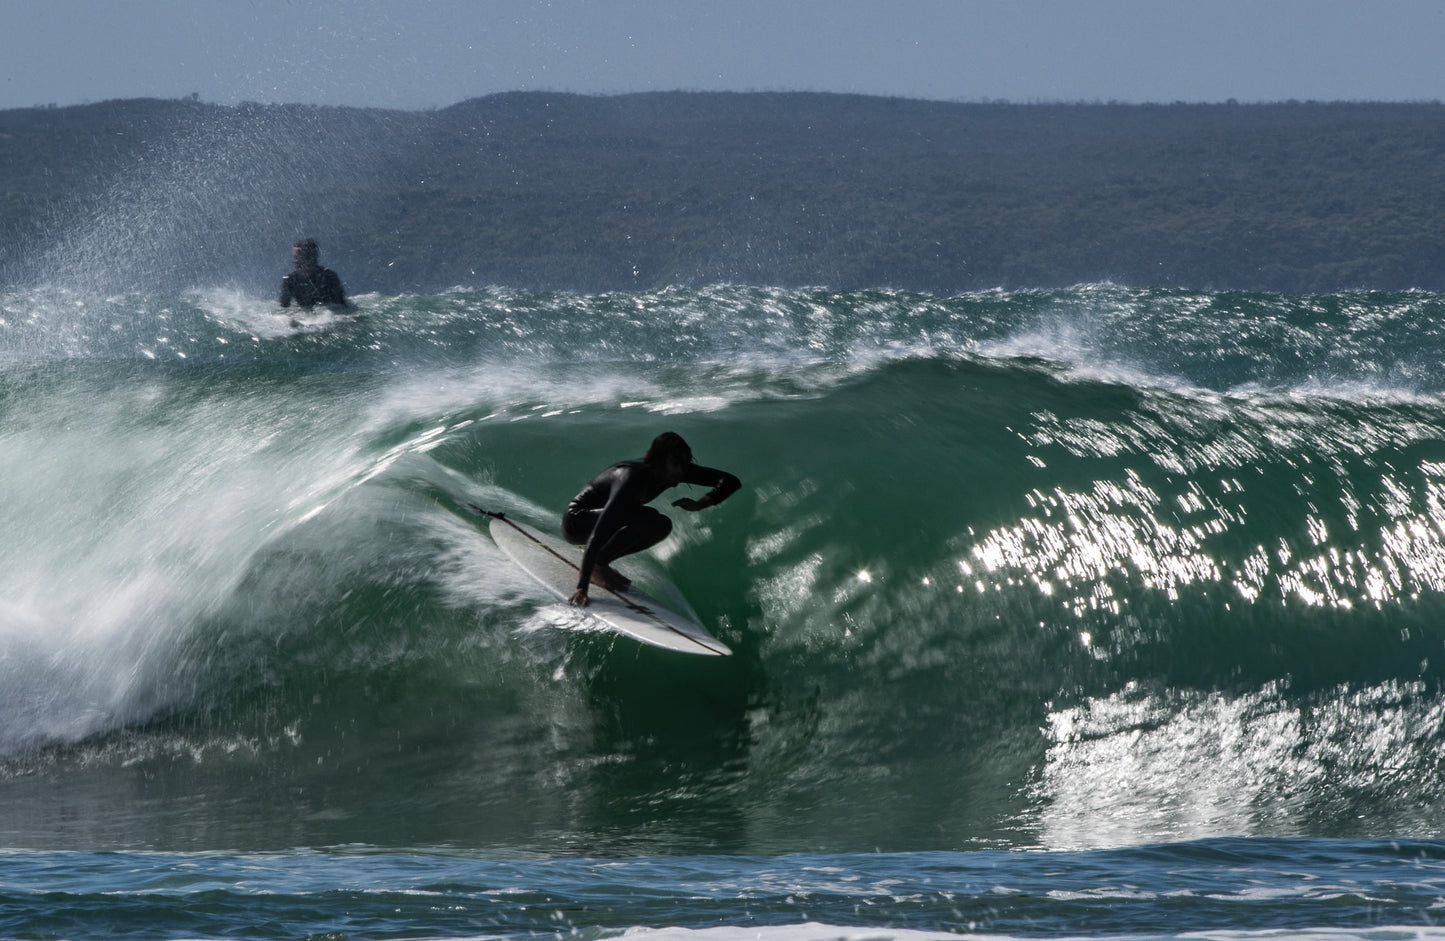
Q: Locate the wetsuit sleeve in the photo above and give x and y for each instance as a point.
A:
(286, 291)
(722, 483)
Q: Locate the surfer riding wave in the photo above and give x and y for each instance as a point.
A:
(610, 516)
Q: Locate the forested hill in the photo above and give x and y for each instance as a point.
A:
(641, 191)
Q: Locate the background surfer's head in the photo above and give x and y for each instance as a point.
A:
(305, 252)
(668, 451)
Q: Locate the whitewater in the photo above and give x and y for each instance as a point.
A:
(1091, 612)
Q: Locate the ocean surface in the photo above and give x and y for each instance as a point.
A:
(1088, 613)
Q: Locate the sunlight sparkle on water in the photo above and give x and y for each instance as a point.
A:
(1078, 544)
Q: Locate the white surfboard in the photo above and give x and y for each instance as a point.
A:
(557, 565)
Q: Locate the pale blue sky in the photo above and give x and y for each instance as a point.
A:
(428, 53)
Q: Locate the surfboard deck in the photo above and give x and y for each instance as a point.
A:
(556, 565)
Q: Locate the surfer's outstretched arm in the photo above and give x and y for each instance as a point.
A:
(722, 483)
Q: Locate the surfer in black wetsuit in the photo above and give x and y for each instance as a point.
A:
(309, 284)
(611, 517)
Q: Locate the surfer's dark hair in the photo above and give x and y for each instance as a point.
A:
(669, 444)
(308, 247)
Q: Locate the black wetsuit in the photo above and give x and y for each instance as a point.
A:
(611, 517)
(320, 286)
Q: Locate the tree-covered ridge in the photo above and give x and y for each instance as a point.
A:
(640, 191)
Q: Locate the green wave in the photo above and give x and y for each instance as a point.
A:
(978, 595)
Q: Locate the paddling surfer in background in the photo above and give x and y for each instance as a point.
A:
(309, 284)
(611, 516)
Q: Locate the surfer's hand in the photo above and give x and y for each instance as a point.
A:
(579, 598)
(689, 504)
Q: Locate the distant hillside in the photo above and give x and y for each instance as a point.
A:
(641, 191)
